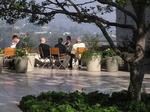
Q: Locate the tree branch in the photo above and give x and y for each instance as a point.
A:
(86, 3)
(62, 7)
(75, 6)
(108, 2)
(103, 29)
(116, 24)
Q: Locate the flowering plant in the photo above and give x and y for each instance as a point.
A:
(108, 53)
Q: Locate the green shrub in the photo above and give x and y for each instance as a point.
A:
(138, 107)
(45, 96)
(40, 106)
(145, 98)
(82, 102)
(111, 109)
(55, 97)
(120, 99)
(64, 108)
(27, 104)
(96, 97)
(26, 101)
(77, 97)
(58, 97)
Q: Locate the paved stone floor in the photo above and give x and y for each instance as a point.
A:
(13, 86)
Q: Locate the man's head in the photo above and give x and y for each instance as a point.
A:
(42, 40)
(60, 40)
(68, 38)
(15, 39)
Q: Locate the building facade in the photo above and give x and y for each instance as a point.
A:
(125, 35)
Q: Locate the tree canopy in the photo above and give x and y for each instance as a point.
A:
(87, 11)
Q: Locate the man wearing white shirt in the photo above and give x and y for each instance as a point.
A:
(13, 45)
(76, 45)
(16, 42)
(75, 59)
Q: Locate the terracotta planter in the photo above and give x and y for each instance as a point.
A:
(111, 64)
(94, 64)
(21, 64)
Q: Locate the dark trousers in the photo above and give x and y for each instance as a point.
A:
(72, 56)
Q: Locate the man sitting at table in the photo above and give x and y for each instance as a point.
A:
(77, 45)
(44, 48)
(17, 43)
(74, 55)
(62, 48)
(44, 53)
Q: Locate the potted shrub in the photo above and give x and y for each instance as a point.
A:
(110, 59)
(93, 60)
(21, 61)
(29, 43)
(92, 56)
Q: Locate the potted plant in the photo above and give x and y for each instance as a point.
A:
(93, 60)
(92, 56)
(26, 38)
(110, 59)
(21, 61)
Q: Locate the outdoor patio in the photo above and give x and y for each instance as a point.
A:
(13, 86)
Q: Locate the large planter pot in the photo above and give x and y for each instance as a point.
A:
(111, 64)
(31, 62)
(21, 64)
(94, 64)
(1, 64)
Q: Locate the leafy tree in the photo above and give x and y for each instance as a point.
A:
(91, 11)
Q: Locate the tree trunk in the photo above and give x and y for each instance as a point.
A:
(136, 79)
(137, 68)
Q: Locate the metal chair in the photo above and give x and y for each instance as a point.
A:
(58, 60)
(9, 53)
(79, 52)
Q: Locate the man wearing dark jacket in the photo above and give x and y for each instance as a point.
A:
(44, 48)
(18, 42)
(62, 48)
